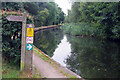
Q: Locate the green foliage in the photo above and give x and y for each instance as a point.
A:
(104, 15)
(12, 5)
(45, 13)
(31, 8)
(82, 29)
(9, 71)
(11, 36)
(41, 18)
(55, 14)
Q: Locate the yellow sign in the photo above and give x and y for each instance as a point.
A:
(30, 32)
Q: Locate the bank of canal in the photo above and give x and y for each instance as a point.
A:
(87, 57)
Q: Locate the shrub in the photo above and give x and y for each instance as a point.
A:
(11, 38)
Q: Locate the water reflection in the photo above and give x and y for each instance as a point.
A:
(94, 58)
(48, 40)
(62, 52)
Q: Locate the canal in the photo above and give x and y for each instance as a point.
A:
(86, 56)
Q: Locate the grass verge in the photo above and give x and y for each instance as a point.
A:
(13, 71)
(9, 71)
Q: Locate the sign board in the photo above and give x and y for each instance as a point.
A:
(30, 32)
(15, 18)
(29, 46)
(29, 40)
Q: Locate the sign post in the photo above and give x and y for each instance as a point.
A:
(23, 20)
(26, 43)
(23, 42)
(29, 47)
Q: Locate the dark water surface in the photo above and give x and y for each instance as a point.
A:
(88, 57)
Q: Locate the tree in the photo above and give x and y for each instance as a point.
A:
(41, 17)
(31, 8)
(104, 16)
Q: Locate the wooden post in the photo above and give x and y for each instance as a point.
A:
(29, 48)
(23, 43)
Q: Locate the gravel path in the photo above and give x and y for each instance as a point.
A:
(46, 69)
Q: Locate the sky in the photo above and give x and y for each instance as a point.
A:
(64, 4)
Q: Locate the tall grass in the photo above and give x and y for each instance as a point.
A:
(9, 71)
(84, 29)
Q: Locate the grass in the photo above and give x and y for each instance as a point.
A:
(9, 71)
(37, 74)
(41, 55)
(66, 74)
(13, 71)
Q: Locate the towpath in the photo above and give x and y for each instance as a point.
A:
(46, 69)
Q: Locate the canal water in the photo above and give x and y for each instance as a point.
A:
(87, 57)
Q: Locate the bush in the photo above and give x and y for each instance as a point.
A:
(82, 29)
(11, 35)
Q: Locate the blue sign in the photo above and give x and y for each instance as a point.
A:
(29, 46)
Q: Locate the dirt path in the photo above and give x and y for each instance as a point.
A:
(48, 70)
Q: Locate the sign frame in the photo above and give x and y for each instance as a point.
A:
(29, 46)
(29, 40)
(30, 32)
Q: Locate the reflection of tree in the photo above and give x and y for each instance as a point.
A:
(47, 41)
(93, 58)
